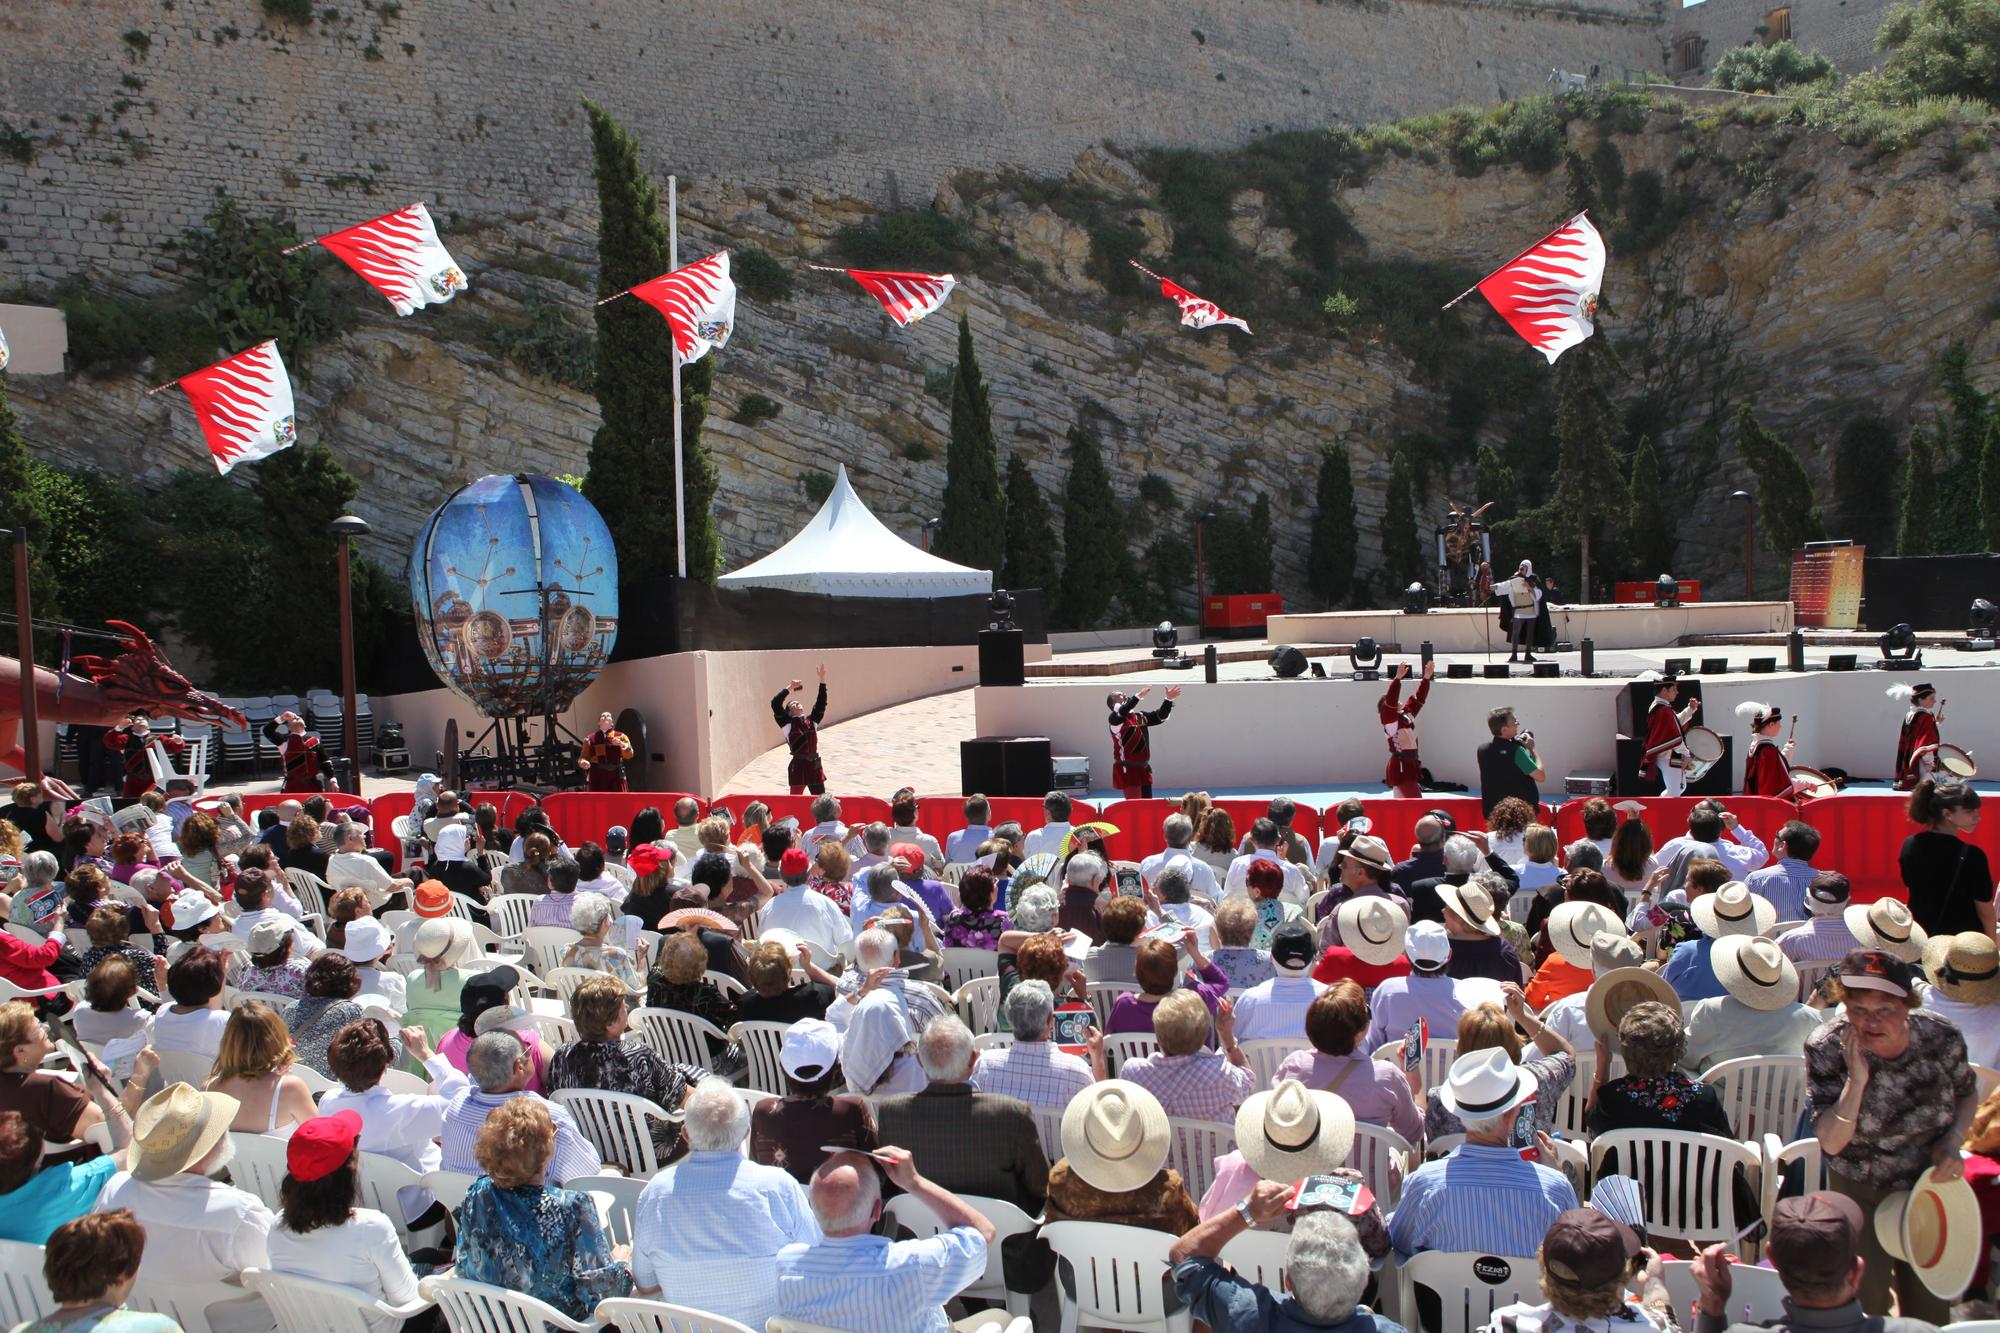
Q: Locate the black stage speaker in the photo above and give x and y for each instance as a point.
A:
(1287, 662)
(1002, 661)
(1006, 765)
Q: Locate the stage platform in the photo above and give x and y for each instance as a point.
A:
(1252, 732)
(1472, 629)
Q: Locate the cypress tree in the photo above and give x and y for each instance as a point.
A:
(1402, 554)
(1494, 481)
(1330, 557)
(1257, 551)
(302, 489)
(1864, 502)
(1030, 549)
(631, 464)
(1918, 525)
(1784, 492)
(1093, 535)
(21, 506)
(1989, 483)
(972, 529)
(1590, 491)
(1648, 536)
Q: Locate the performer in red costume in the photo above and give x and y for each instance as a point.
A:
(1666, 737)
(1405, 775)
(604, 754)
(131, 742)
(1916, 747)
(805, 773)
(299, 753)
(1767, 768)
(1132, 741)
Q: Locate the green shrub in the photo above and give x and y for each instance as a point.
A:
(1342, 309)
(138, 41)
(937, 384)
(550, 346)
(759, 276)
(17, 145)
(113, 334)
(1156, 491)
(1756, 68)
(1942, 48)
(916, 451)
(817, 486)
(754, 408)
(913, 238)
(252, 290)
(292, 11)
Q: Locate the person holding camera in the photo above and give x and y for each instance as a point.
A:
(1508, 764)
(299, 752)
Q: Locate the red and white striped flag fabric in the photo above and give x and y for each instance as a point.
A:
(1196, 312)
(699, 301)
(908, 297)
(400, 256)
(244, 405)
(5, 355)
(1548, 293)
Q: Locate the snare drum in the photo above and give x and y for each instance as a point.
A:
(1704, 751)
(1808, 783)
(1956, 762)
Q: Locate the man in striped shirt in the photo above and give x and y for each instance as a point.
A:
(500, 1068)
(1032, 1069)
(1482, 1197)
(856, 1280)
(1824, 937)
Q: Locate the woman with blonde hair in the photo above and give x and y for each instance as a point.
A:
(678, 981)
(302, 847)
(197, 840)
(254, 1066)
(1492, 1023)
(832, 867)
(345, 906)
(1245, 966)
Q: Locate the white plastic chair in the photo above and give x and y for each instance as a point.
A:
(508, 913)
(311, 891)
(1685, 1179)
(474, 1307)
(978, 1003)
(914, 1215)
(728, 985)
(1118, 1273)
(24, 1293)
(1048, 1123)
(1103, 994)
(1267, 1053)
(1382, 1156)
(1758, 1290)
(1122, 1046)
(556, 1030)
(1192, 1147)
(403, 1081)
(619, 1125)
(264, 997)
(1438, 1054)
(1260, 1256)
(567, 979)
(678, 1037)
(1778, 1158)
(962, 965)
(380, 1178)
(1811, 974)
(1469, 1286)
(761, 1044)
(992, 1041)
(1762, 1094)
(308, 1305)
(449, 1187)
(1988, 1080)
(191, 1067)
(259, 1166)
(545, 945)
(628, 1315)
(186, 1303)
(618, 1200)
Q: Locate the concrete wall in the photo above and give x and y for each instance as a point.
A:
(141, 110)
(1311, 735)
(708, 714)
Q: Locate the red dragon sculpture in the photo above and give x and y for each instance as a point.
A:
(100, 691)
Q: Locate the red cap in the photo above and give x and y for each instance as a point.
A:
(319, 1147)
(794, 862)
(909, 856)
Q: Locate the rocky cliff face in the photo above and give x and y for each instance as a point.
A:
(1814, 278)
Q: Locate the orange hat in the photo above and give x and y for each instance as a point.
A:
(432, 898)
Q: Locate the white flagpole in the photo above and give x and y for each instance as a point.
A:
(680, 500)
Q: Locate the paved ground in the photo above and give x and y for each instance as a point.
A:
(910, 745)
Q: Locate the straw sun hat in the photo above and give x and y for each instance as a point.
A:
(1114, 1135)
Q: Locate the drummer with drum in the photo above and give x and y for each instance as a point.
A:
(1920, 750)
(1667, 760)
(1767, 768)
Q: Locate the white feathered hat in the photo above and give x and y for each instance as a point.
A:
(1903, 694)
(1757, 714)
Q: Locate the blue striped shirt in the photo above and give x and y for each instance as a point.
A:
(866, 1284)
(574, 1156)
(1480, 1198)
(706, 1229)
(1784, 882)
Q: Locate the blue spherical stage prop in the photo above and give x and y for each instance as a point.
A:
(515, 586)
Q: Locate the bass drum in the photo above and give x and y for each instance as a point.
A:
(1956, 763)
(1809, 783)
(1705, 751)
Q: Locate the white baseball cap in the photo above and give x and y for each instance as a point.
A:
(1427, 944)
(810, 1048)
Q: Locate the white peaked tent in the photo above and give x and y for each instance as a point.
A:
(847, 551)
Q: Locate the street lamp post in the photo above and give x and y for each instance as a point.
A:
(1749, 539)
(930, 526)
(24, 639)
(1200, 571)
(346, 528)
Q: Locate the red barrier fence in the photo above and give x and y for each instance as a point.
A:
(1861, 834)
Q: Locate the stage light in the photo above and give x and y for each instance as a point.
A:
(1458, 671)
(1548, 671)
(1666, 591)
(1001, 607)
(1979, 624)
(1762, 666)
(1167, 645)
(1842, 661)
(1714, 666)
(1498, 671)
(1679, 666)
(1899, 650)
(1416, 600)
(1366, 658)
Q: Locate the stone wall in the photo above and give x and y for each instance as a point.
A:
(1843, 29)
(141, 107)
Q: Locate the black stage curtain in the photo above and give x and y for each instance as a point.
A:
(1927, 592)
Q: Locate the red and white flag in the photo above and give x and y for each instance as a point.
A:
(400, 256)
(908, 297)
(699, 301)
(1196, 312)
(5, 355)
(1549, 291)
(244, 405)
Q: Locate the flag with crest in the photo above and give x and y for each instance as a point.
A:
(244, 405)
(1548, 293)
(1196, 312)
(400, 256)
(699, 301)
(908, 297)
